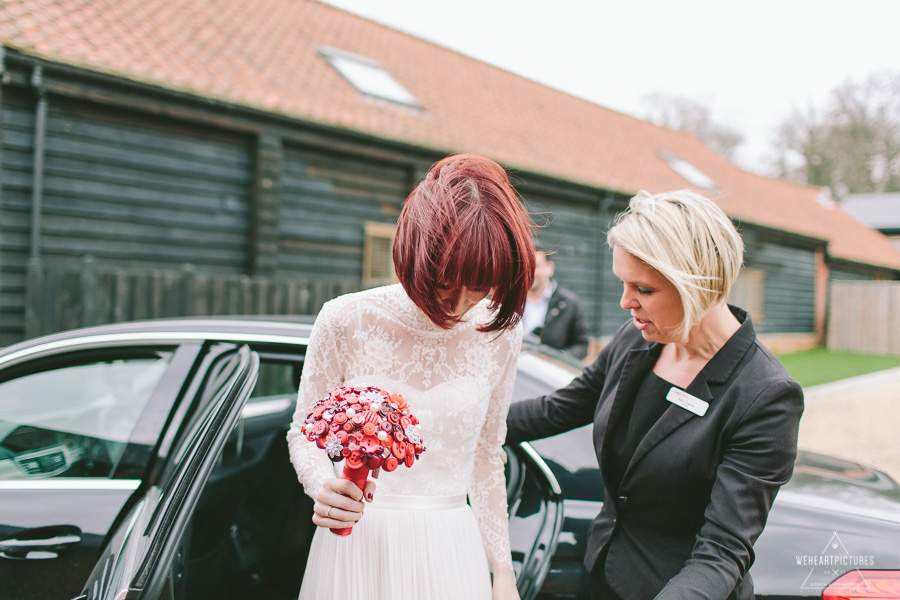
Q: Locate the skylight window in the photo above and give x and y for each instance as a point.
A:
(368, 76)
(824, 198)
(695, 176)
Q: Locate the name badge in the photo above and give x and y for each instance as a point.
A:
(687, 402)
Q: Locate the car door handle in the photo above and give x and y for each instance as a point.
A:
(40, 542)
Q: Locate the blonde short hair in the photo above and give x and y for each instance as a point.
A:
(689, 240)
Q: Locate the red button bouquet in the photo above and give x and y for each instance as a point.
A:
(368, 427)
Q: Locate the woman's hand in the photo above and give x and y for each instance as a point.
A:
(504, 585)
(339, 503)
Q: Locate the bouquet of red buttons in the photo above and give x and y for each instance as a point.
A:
(368, 427)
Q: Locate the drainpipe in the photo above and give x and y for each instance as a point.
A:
(35, 311)
(822, 298)
(37, 181)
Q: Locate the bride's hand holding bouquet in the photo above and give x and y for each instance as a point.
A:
(369, 429)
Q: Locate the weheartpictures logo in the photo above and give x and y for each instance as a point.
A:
(831, 563)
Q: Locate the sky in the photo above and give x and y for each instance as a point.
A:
(751, 63)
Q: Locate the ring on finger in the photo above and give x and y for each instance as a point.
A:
(328, 513)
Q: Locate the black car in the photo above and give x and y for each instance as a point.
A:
(148, 460)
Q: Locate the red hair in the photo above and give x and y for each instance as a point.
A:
(464, 225)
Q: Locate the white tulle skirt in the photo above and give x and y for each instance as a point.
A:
(404, 548)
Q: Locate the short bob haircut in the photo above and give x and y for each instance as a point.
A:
(689, 240)
(464, 225)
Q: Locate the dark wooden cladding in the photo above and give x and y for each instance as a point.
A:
(130, 195)
(790, 285)
(16, 163)
(265, 204)
(848, 271)
(128, 190)
(159, 203)
(326, 199)
(571, 230)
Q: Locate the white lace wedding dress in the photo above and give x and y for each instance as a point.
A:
(418, 539)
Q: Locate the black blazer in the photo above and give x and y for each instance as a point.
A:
(565, 327)
(696, 494)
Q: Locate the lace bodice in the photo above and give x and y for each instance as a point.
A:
(458, 382)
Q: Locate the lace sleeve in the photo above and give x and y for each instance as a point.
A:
(487, 489)
(322, 372)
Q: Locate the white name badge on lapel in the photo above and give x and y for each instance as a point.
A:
(687, 402)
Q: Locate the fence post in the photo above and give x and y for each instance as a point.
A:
(89, 292)
(34, 312)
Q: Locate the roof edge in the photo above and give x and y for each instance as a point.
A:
(838, 260)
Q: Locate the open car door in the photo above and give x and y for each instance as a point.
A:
(536, 516)
(145, 556)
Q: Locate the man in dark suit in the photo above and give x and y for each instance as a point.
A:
(553, 314)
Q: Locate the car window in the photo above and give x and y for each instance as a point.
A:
(277, 378)
(75, 420)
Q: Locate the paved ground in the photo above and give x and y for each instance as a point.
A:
(856, 419)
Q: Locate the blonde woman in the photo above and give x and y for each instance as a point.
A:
(695, 422)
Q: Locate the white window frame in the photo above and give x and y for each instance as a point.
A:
(368, 76)
(376, 261)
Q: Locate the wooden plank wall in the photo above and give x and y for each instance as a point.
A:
(610, 287)
(17, 152)
(573, 230)
(133, 191)
(844, 273)
(326, 199)
(789, 281)
(864, 316)
(66, 298)
(238, 195)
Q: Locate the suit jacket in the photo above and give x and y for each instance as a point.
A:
(565, 327)
(696, 494)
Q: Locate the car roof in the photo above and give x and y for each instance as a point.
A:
(258, 327)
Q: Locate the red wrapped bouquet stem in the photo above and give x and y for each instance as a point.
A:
(368, 427)
(358, 475)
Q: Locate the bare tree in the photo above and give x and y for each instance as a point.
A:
(803, 140)
(851, 146)
(693, 116)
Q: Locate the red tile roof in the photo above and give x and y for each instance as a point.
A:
(264, 54)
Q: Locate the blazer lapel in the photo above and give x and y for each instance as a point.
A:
(637, 365)
(672, 419)
(716, 372)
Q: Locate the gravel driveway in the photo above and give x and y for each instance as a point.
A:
(857, 419)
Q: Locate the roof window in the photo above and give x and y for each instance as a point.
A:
(695, 176)
(368, 76)
(824, 198)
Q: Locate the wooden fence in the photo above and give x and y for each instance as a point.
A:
(864, 316)
(59, 299)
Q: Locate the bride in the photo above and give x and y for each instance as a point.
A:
(447, 339)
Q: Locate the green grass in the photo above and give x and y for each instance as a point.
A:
(812, 367)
